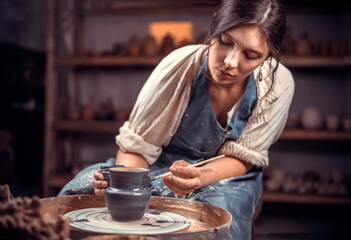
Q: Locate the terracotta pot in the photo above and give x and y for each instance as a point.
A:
(150, 46)
(134, 47)
(332, 122)
(304, 46)
(128, 196)
(312, 118)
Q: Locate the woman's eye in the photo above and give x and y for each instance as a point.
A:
(223, 41)
(249, 57)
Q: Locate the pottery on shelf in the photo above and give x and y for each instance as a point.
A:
(134, 46)
(346, 124)
(150, 47)
(168, 45)
(293, 121)
(90, 110)
(311, 118)
(304, 46)
(332, 122)
(128, 196)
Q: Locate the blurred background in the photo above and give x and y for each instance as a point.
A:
(71, 70)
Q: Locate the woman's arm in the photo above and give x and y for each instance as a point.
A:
(191, 178)
(130, 159)
(221, 169)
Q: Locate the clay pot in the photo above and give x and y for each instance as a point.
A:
(332, 122)
(168, 45)
(134, 47)
(312, 118)
(150, 46)
(90, 110)
(128, 196)
(346, 124)
(122, 114)
(304, 46)
(293, 121)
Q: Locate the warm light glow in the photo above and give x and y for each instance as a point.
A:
(179, 31)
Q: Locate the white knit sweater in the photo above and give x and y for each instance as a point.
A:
(164, 98)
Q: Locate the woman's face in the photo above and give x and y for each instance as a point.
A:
(236, 53)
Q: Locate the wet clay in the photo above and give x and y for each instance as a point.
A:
(21, 218)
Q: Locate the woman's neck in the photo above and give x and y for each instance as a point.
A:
(224, 97)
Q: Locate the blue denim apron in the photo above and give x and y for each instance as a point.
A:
(198, 137)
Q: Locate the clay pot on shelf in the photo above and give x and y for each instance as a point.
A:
(311, 118)
(304, 46)
(167, 45)
(332, 122)
(74, 113)
(134, 47)
(106, 110)
(335, 49)
(346, 124)
(293, 121)
(323, 48)
(90, 110)
(128, 196)
(122, 114)
(150, 46)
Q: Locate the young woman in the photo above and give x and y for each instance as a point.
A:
(230, 96)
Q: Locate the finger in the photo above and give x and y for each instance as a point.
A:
(99, 192)
(100, 184)
(180, 163)
(181, 184)
(186, 172)
(98, 175)
(176, 189)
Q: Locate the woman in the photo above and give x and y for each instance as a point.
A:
(229, 97)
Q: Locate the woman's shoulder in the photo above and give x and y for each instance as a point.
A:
(182, 53)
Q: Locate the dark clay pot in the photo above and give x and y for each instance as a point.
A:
(128, 196)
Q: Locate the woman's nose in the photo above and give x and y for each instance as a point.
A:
(232, 59)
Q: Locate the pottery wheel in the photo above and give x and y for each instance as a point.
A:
(153, 222)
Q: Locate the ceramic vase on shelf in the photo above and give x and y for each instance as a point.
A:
(311, 118)
(128, 196)
(134, 46)
(150, 46)
(304, 46)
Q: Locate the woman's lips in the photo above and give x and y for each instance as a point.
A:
(224, 74)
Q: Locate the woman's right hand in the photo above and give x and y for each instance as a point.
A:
(99, 183)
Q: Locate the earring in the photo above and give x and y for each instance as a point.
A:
(260, 73)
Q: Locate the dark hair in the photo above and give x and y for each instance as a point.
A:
(268, 15)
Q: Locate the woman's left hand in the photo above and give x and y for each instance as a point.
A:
(187, 181)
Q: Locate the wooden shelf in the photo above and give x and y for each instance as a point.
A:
(289, 61)
(299, 134)
(304, 198)
(315, 61)
(107, 61)
(88, 126)
(113, 126)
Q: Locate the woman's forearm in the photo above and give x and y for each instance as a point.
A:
(221, 169)
(130, 159)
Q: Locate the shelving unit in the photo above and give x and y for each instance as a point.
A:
(55, 127)
(276, 197)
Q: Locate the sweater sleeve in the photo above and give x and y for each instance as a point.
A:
(266, 123)
(160, 105)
